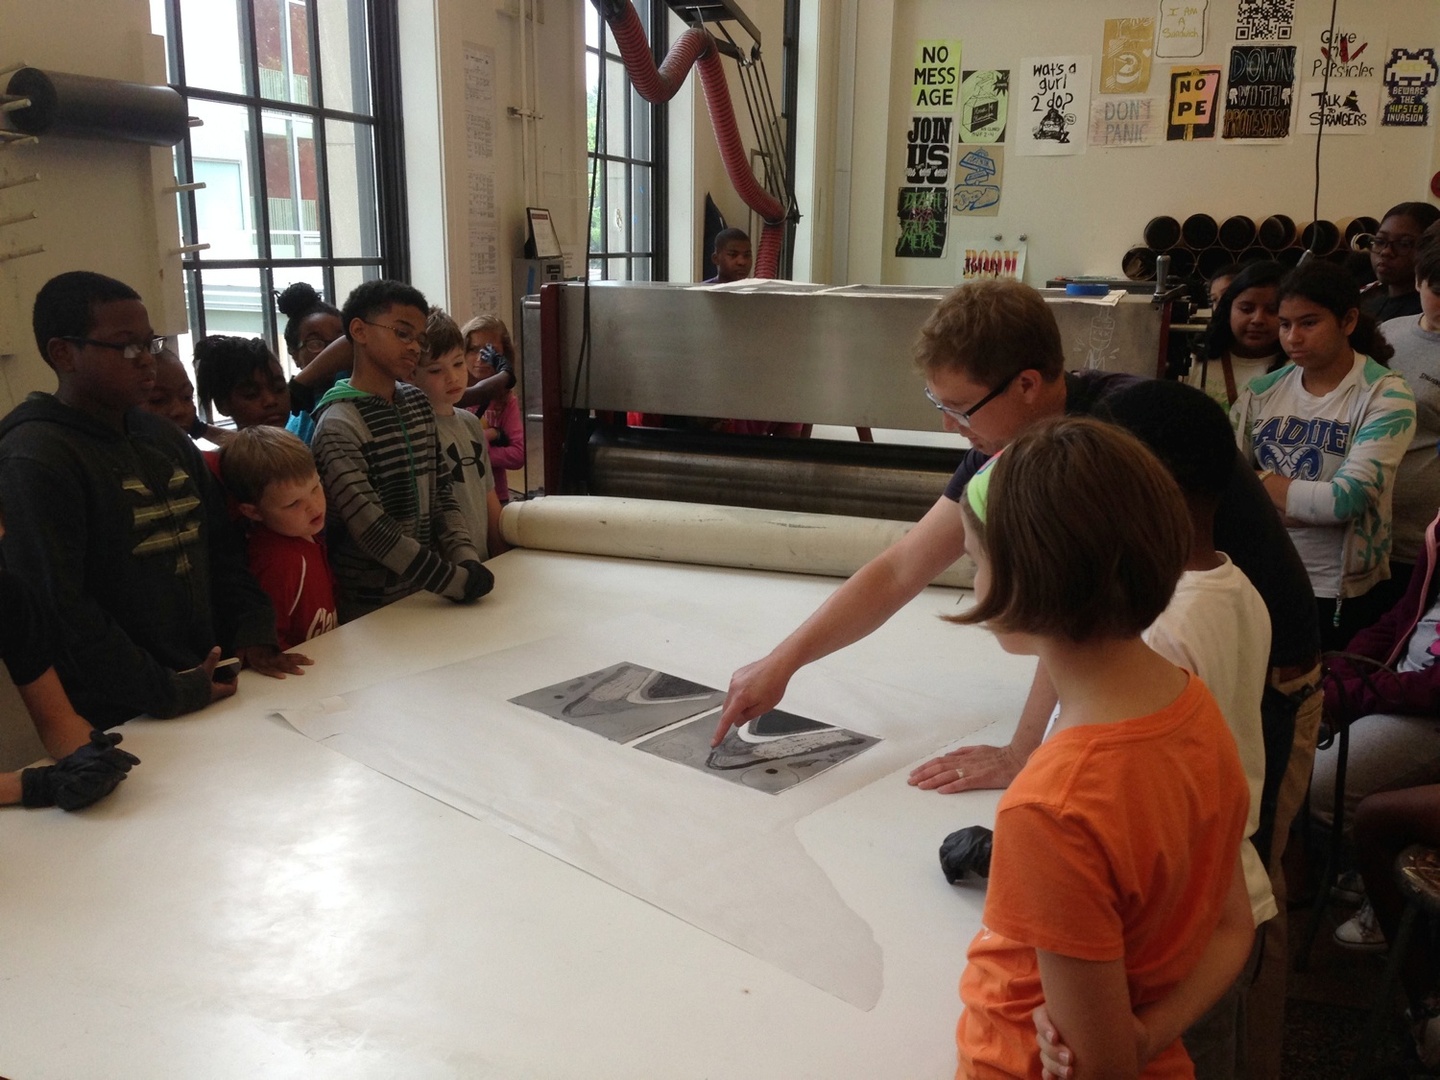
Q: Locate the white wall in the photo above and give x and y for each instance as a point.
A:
(433, 38)
(1082, 212)
(99, 205)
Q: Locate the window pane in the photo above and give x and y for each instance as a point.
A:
(640, 209)
(213, 45)
(597, 269)
(639, 125)
(592, 90)
(639, 269)
(347, 277)
(617, 232)
(292, 187)
(232, 301)
(350, 163)
(224, 161)
(282, 46)
(344, 49)
(617, 92)
(592, 26)
(617, 270)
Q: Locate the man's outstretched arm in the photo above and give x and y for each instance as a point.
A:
(875, 592)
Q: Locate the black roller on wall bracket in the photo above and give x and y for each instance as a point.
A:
(84, 107)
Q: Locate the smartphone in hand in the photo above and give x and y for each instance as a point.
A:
(226, 671)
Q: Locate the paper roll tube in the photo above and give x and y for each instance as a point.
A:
(829, 545)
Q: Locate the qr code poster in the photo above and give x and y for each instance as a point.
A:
(1409, 75)
(1265, 20)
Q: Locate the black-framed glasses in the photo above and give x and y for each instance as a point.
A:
(963, 417)
(130, 350)
(1399, 243)
(403, 334)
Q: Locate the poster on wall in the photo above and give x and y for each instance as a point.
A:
(1053, 100)
(1126, 121)
(1181, 30)
(935, 82)
(1347, 54)
(988, 258)
(927, 150)
(1192, 103)
(1125, 56)
(984, 105)
(1409, 75)
(1345, 107)
(482, 216)
(1265, 20)
(1260, 93)
(979, 173)
(924, 222)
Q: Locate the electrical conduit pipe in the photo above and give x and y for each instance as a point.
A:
(660, 84)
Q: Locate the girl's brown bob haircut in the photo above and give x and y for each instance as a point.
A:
(1085, 531)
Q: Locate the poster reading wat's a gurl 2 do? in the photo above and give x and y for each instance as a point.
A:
(1051, 105)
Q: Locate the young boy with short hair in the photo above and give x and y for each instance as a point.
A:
(443, 376)
(115, 520)
(272, 477)
(395, 525)
(731, 257)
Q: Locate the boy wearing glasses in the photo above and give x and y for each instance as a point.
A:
(114, 519)
(395, 527)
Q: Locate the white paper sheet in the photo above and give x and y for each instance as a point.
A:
(721, 857)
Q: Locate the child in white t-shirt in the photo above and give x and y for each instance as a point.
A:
(1327, 432)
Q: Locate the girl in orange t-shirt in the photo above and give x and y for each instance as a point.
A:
(1116, 898)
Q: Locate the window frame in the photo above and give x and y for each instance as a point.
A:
(657, 254)
(385, 180)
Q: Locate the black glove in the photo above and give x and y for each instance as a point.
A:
(499, 361)
(79, 778)
(966, 850)
(480, 582)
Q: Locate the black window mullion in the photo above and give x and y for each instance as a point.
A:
(257, 127)
(322, 145)
(267, 306)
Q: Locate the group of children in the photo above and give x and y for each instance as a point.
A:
(1166, 583)
(133, 561)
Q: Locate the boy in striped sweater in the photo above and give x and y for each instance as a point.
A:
(395, 527)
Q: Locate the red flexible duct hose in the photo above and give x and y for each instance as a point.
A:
(660, 84)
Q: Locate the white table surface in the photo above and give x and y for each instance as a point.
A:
(253, 903)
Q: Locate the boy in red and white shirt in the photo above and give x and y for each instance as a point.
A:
(273, 479)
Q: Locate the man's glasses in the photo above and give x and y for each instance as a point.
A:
(403, 334)
(963, 417)
(1399, 243)
(130, 350)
